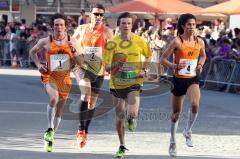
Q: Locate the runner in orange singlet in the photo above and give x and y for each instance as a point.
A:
(90, 40)
(189, 58)
(56, 73)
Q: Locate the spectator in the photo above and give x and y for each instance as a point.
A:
(82, 17)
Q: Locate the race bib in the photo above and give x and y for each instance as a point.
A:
(93, 54)
(60, 62)
(127, 73)
(190, 69)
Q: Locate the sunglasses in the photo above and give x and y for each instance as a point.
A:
(98, 14)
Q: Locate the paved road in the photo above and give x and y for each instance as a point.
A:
(23, 121)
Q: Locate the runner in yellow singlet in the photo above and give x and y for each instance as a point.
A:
(124, 58)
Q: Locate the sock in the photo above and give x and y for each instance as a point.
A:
(174, 127)
(89, 117)
(82, 115)
(50, 116)
(122, 145)
(191, 120)
(57, 121)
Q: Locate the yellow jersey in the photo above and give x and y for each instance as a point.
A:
(127, 56)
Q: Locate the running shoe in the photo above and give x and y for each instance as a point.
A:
(188, 137)
(121, 152)
(132, 124)
(48, 146)
(172, 150)
(48, 137)
(81, 138)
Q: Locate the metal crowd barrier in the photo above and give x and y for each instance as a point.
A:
(223, 75)
(21, 49)
(219, 75)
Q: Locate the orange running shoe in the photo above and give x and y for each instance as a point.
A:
(81, 138)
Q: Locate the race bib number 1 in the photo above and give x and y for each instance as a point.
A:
(59, 62)
(190, 69)
(93, 54)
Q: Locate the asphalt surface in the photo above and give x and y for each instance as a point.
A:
(23, 122)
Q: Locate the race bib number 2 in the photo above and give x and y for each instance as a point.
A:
(59, 62)
(93, 54)
(190, 69)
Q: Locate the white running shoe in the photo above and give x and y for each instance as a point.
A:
(188, 137)
(172, 150)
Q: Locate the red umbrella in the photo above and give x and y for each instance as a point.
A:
(229, 7)
(154, 6)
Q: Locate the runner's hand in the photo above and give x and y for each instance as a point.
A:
(199, 69)
(42, 68)
(181, 65)
(142, 74)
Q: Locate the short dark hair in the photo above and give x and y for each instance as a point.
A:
(57, 16)
(236, 31)
(82, 11)
(124, 15)
(97, 5)
(23, 21)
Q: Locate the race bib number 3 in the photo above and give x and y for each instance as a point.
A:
(59, 62)
(190, 69)
(93, 54)
(127, 74)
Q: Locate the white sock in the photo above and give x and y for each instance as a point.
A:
(57, 121)
(191, 120)
(50, 116)
(122, 145)
(174, 127)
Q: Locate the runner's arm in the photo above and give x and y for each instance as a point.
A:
(108, 34)
(202, 53)
(169, 51)
(202, 56)
(76, 40)
(33, 54)
(77, 57)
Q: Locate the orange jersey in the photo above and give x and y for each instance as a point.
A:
(188, 55)
(93, 44)
(93, 38)
(58, 59)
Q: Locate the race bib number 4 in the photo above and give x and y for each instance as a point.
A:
(190, 68)
(93, 54)
(59, 62)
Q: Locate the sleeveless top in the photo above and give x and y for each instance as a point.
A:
(93, 44)
(58, 59)
(188, 55)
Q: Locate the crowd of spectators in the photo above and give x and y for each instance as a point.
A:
(16, 38)
(221, 43)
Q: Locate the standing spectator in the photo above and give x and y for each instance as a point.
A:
(82, 17)
(11, 38)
